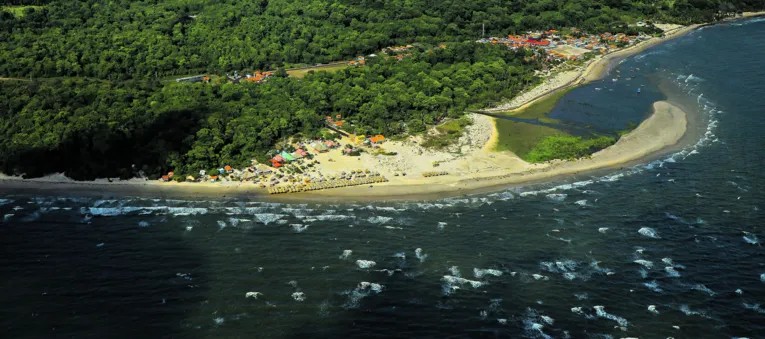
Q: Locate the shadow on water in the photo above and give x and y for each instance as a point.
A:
(106, 278)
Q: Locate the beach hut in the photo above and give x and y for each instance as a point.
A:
(319, 147)
(213, 178)
(287, 156)
(377, 139)
(330, 143)
(228, 169)
(190, 178)
(170, 175)
(164, 178)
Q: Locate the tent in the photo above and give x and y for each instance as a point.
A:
(278, 158)
(287, 156)
(319, 147)
(301, 152)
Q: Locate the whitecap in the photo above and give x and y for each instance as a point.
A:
(480, 273)
(557, 196)
(5, 201)
(253, 295)
(298, 228)
(379, 219)
(652, 309)
(189, 228)
(365, 263)
(346, 254)
(221, 224)
(644, 263)
(362, 290)
(603, 229)
(648, 232)
(755, 307)
(267, 218)
(577, 310)
(298, 296)
(703, 288)
(420, 255)
(441, 225)
(671, 272)
(452, 283)
(219, 321)
(582, 202)
(601, 312)
(8, 217)
(751, 239)
(143, 224)
(653, 286)
(100, 245)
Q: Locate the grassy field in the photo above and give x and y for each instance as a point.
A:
(299, 73)
(520, 138)
(18, 11)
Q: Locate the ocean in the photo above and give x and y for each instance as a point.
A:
(667, 248)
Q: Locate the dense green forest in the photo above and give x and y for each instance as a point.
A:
(94, 103)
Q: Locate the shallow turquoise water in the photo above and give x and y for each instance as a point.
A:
(581, 259)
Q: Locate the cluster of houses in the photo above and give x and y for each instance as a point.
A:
(359, 61)
(256, 77)
(554, 45)
(319, 146)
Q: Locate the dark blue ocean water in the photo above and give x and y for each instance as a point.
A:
(665, 249)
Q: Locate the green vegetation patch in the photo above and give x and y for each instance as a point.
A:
(567, 147)
(519, 137)
(299, 73)
(18, 11)
(448, 133)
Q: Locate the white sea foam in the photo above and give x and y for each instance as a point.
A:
(298, 296)
(577, 310)
(299, 228)
(671, 272)
(582, 202)
(540, 277)
(751, 239)
(7, 217)
(365, 263)
(221, 224)
(100, 245)
(687, 311)
(557, 196)
(703, 288)
(346, 254)
(648, 232)
(480, 273)
(754, 307)
(5, 201)
(644, 263)
(362, 290)
(379, 219)
(420, 255)
(601, 312)
(255, 295)
(267, 218)
(189, 228)
(452, 283)
(603, 229)
(455, 271)
(653, 286)
(762, 277)
(652, 309)
(441, 225)
(143, 224)
(219, 321)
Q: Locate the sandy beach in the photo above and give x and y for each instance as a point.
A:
(471, 165)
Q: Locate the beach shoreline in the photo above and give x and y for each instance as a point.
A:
(665, 129)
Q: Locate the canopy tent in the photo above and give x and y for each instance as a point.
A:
(287, 156)
(319, 147)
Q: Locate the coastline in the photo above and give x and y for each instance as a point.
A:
(663, 130)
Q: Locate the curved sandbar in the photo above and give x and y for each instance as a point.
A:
(665, 127)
